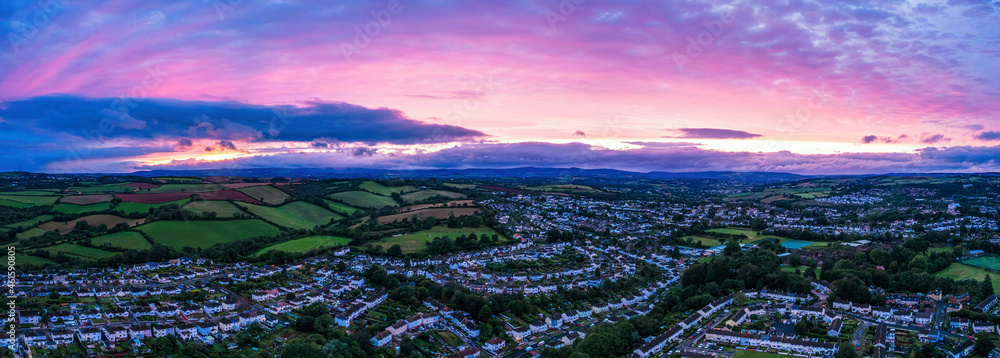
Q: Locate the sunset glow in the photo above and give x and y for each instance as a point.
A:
(674, 85)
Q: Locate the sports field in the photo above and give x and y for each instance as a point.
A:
(363, 199)
(305, 244)
(704, 240)
(203, 234)
(126, 239)
(988, 262)
(794, 244)
(295, 215)
(960, 271)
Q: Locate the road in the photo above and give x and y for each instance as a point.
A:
(687, 343)
(859, 334)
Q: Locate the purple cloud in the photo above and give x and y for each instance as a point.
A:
(714, 133)
(935, 138)
(990, 136)
(676, 159)
(68, 116)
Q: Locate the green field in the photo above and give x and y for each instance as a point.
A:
(417, 241)
(265, 193)
(707, 241)
(800, 268)
(30, 223)
(131, 207)
(426, 194)
(986, 262)
(23, 259)
(345, 210)
(736, 231)
(222, 209)
(756, 354)
(80, 209)
(450, 338)
(295, 215)
(30, 192)
(14, 204)
(126, 239)
(461, 186)
(566, 188)
(363, 199)
(33, 200)
(203, 234)
(749, 233)
(960, 271)
(31, 233)
(305, 244)
(186, 188)
(186, 180)
(385, 190)
(81, 251)
(107, 188)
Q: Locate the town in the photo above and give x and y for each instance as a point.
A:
(429, 268)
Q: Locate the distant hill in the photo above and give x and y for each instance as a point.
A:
(526, 172)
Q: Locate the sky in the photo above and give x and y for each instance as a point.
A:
(807, 87)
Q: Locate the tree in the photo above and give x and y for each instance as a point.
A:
(850, 289)
(731, 248)
(984, 344)
(794, 260)
(485, 314)
(846, 351)
(986, 287)
(301, 349)
(918, 263)
(305, 323)
(801, 327)
(395, 250)
(324, 325)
